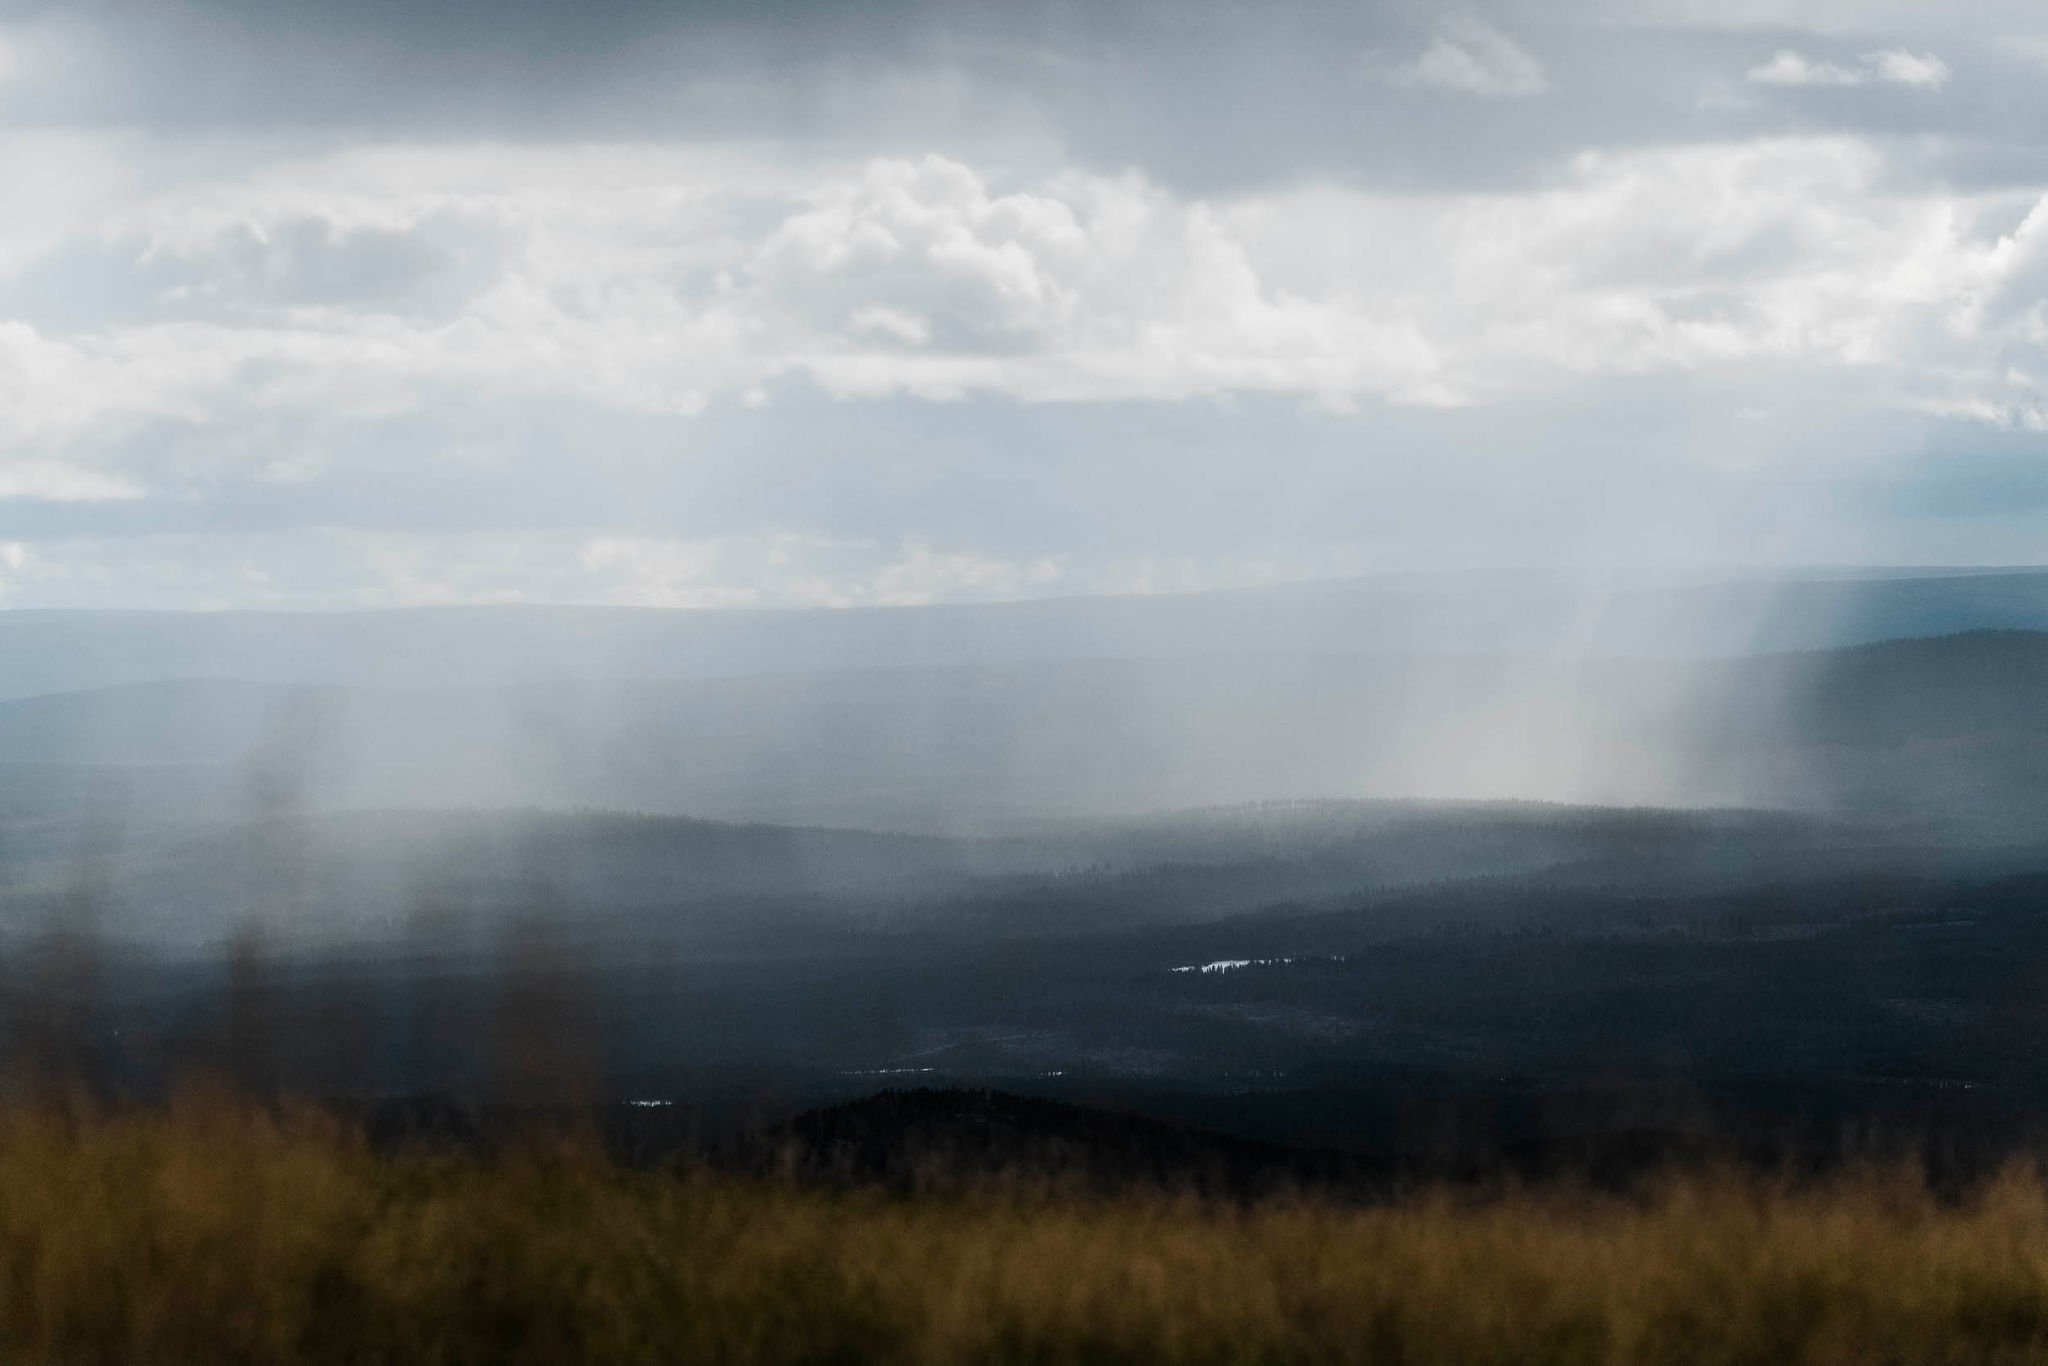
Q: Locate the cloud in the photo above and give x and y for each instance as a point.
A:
(923, 278)
(649, 364)
(1468, 56)
(655, 572)
(706, 305)
(337, 568)
(786, 569)
(1201, 97)
(55, 391)
(1081, 288)
(1907, 68)
(1894, 66)
(49, 481)
(306, 262)
(879, 320)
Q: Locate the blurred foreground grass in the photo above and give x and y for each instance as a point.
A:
(214, 1232)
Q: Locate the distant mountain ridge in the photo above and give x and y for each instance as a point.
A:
(61, 651)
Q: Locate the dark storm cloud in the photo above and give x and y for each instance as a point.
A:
(1204, 96)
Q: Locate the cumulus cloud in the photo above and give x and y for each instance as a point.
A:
(55, 391)
(1893, 66)
(374, 309)
(712, 308)
(925, 278)
(1080, 288)
(1468, 56)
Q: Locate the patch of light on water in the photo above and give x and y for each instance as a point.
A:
(1233, 964)
(886, 1071)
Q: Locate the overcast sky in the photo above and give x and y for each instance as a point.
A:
(365, 302)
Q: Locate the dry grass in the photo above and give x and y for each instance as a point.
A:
(213, 1233)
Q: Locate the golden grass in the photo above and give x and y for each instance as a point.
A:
(213, 1232)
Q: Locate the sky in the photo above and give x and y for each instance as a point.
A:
(362, 303)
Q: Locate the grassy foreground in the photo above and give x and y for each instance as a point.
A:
(215, 1233)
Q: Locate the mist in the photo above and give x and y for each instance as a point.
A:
(960, 720)
(319, 778)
